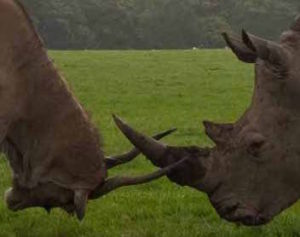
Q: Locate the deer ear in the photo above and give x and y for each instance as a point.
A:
(239, 48)
(80, 201)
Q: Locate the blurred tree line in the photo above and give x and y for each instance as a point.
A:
(144, 24)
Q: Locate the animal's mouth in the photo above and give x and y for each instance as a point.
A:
(235, 212)
(243, 215)
(17, 201)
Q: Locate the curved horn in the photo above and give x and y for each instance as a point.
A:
(193, 160)
(117, 182)
(147, 145)
(238, 47)
(266, 50)
(129, 156)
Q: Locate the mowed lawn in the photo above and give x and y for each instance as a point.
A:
(152, 91)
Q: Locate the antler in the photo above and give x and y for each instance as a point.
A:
(119, 181)
(156, 152)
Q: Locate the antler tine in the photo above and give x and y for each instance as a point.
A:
(117, 182)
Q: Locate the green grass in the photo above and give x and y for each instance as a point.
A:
(153, 91)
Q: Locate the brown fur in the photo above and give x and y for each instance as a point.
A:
(46, 134)
(52, 147)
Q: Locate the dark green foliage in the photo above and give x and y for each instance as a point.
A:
(125, 24)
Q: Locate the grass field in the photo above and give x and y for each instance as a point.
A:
(153, 91)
